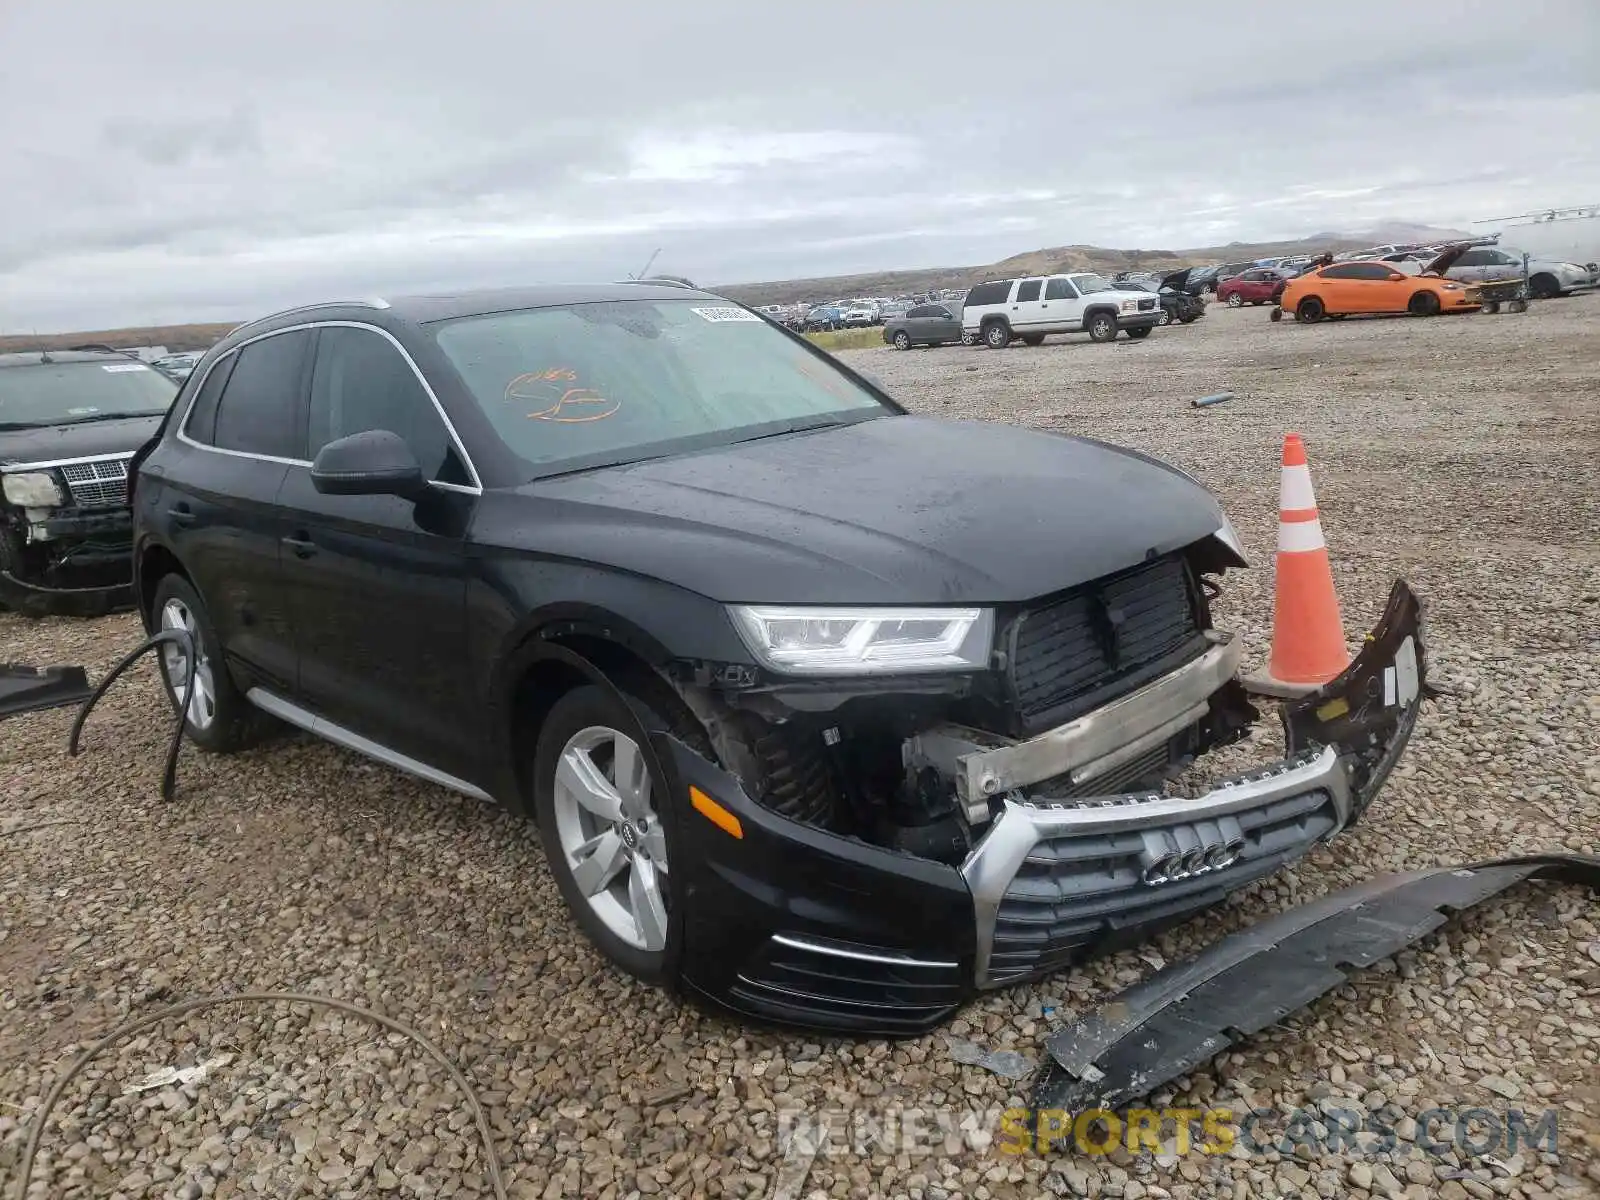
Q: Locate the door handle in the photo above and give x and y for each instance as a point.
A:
(302, 545)
(181, 515)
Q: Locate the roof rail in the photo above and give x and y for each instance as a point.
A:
(677, 281)
(375, 302)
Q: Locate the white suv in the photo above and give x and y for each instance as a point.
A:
(1002, 310)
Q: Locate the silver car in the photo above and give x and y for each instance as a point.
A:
(1546, 277)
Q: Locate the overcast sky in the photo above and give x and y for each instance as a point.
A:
(174, 160)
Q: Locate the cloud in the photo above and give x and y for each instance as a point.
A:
(191, 159)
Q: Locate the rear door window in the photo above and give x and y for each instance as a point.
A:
(1028, 289)
(202, 425)
(259, 410)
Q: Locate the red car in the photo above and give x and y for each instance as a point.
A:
(1258, 285)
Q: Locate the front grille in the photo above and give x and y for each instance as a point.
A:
(1076, 896)
(813, 986)
(1065, 653)
(100, 483)
(1146, 305)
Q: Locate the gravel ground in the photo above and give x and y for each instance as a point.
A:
(1458, 453)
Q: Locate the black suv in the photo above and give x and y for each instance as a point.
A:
(69, 422)
(830, 713)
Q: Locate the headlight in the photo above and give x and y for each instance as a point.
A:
(1130, 306)
(1450, 287)
(33, 489)
(866, 641)
(1229, 537)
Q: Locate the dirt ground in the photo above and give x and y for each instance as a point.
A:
(1458, 453)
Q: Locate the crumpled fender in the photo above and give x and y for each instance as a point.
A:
(1189, 1012)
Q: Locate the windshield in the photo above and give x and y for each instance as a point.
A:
(66, 393)
(1091, 283)
(586, 385)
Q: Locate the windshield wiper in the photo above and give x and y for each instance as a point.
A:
(796, 427)
(13, 426)
(131, 416)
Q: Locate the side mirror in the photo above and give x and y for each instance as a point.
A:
(374, 463)
(1395, 276)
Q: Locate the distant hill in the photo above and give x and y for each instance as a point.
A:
(1056, 259)
(174, 337)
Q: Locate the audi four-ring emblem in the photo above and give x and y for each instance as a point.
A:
(1202, 860)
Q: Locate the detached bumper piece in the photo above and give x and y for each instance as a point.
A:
(30, 689)
(1190, 1012)
(797, 925)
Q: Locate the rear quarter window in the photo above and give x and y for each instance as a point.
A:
(989, 293)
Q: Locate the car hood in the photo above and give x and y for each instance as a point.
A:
(1446, 259)
(897, 510)
(89, 439)
(1178, 280)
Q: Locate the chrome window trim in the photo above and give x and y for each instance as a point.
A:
(475, 488)
(15, 467)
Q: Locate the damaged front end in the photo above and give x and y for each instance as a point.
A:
(68, 551)
(904, 845)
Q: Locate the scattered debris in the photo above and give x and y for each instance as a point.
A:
(797, 1159)
(182, 1076)
(1007, 1063)
(1214, 398)
(1182, 1016)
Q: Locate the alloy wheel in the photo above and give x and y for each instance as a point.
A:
(175, 614)
(611, 836)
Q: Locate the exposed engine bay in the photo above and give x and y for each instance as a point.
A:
(1108, 689)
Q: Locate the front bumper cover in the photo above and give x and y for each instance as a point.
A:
(56, 596)
(796, 925)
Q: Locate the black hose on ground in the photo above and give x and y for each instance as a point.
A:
(139, 1024)
(185, 644)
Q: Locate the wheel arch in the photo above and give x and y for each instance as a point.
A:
(151, 565)
(555, 655)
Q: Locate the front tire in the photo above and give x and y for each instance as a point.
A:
(1033, 339)
(1142, 331)
(902, 340)
(609, 826)
(1102, 327)
(219, 720)
(1165, 318)
(1543, 287)
(1423, 304)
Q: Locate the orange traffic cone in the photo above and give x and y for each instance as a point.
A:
(1307, 634)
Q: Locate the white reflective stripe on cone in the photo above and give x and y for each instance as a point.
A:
(1295, 537)
(1294, 491)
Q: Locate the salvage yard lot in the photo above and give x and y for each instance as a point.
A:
(1458, 453)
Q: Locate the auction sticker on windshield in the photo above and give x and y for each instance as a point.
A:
(725, 314)
(124, 367)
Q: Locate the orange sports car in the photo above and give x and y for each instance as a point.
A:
(1343, 288)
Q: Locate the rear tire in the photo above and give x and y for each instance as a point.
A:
(902, 340)
(220, 720)
(969, 339)
(997, 335)
(1102, 327)
(1235, 300)
(1311, 310)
